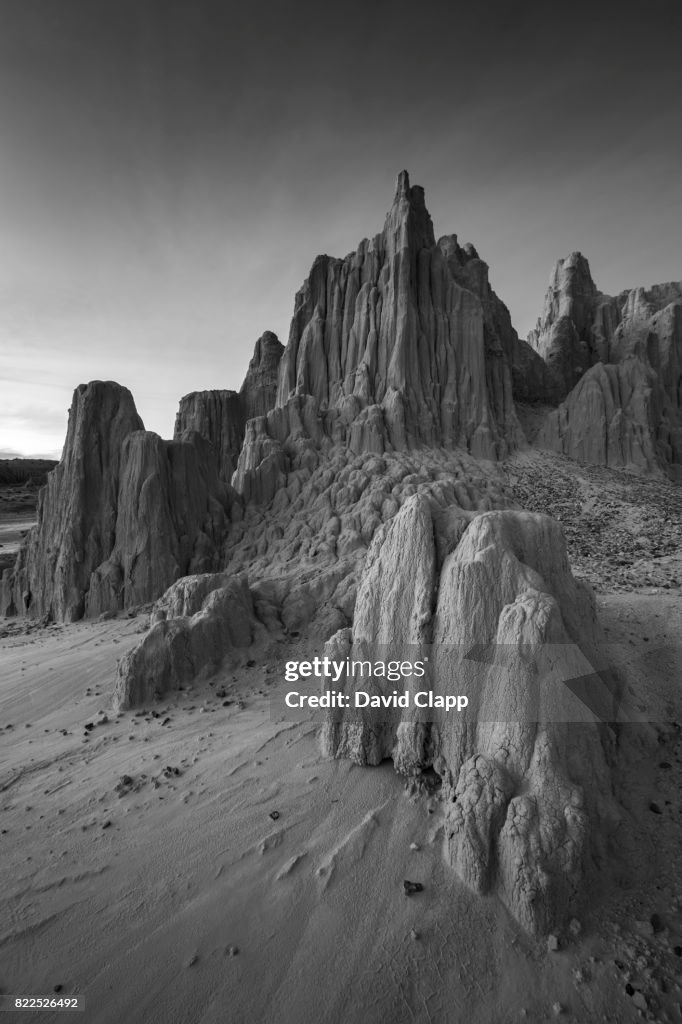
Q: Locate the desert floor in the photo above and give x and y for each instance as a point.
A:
(174, 896)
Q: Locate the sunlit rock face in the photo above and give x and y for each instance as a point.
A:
(526, 779)
(400, 344)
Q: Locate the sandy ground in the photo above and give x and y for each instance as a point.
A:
(237, 876)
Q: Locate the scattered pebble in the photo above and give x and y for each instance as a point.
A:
(411, 887)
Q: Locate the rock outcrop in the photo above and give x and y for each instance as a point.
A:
(259, 390)
(199, 623)
(526, 778)
(529, 374)
(617, 363)
(401, 344)
(123, 515)
(611, 418)
(567, 335)
(221, 416)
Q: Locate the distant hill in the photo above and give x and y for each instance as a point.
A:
(32, 472)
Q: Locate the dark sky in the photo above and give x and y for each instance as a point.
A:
(169, 170)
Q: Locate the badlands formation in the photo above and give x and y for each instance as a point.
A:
(401, 478)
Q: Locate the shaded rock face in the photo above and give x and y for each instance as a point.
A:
(566, 335)
(530, 378)
(77, 509)
(200, 621)
(123, 514)
(616, 416)
(221, 416)
(526, 776)
(617, 362)
(401, 344)
(259, 390)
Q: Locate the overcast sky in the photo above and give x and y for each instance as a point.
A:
(170, 168)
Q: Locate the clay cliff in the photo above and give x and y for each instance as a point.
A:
(221, 416)
(616, 364)
(123, 515)
(399, 345)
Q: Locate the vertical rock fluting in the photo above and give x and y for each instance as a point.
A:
(565, 334)
(617, 363)
(172, 518)
(396, 346)
(526, 768)
(77, 509)
(390, 617)
(123, 515)
(259, 390)
(530, 380)
(221, 416)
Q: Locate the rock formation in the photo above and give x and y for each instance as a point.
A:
(369, 506)
(611, 418)
(617, 363)
(526, 778)
(399, 345)
(199, 621)
(124, 514)
(259, 390)
(568, 335)
(221, 416)
(303, 556)
(529, 374)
